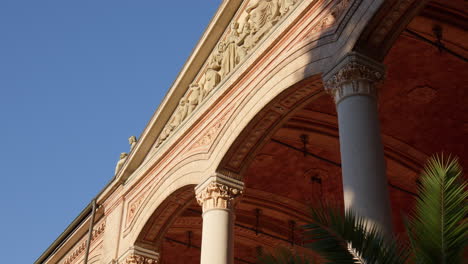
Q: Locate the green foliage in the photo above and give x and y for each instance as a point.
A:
(346, 238)
(438, 231)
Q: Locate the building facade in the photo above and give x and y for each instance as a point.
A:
(283, 105)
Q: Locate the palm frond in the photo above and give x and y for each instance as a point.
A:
(283, 256)
(438, 230)
(347, 238)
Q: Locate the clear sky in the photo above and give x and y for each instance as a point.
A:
(77, 78)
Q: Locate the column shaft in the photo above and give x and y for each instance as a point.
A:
(363, 165)
(217, 195)
(353, 84)
(217, 237)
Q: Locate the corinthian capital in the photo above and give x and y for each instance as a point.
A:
(354, 75)
(137, 259)
(218, 192)
(138, 255)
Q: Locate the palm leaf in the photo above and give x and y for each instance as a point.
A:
(347, 238)
(437, 230)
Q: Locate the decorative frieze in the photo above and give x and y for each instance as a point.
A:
(354, 75)
(133, 207)
(218, 192)
(252, 25)
(137, 259)
(81, 247)
(332, 16)
(396, 12)
(209, 137)
(138, 255)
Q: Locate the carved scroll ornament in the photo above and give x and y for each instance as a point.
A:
(137, 259)
(138, 255)
(242, 36)
(218, 196)
(355, 77)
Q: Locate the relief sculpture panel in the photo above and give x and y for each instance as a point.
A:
(255, 21)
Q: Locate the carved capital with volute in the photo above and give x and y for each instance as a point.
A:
(138, 255)
(355, 74)
(218, 192)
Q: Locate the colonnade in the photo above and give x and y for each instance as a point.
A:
(353, 83)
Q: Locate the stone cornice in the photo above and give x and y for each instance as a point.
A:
(355, 74)
(80, 248)
(218, 192)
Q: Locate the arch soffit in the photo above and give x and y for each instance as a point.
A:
(263, 126)
(386, 25)
(151, 235)
(164, 200)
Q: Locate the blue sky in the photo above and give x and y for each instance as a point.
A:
(77, 78)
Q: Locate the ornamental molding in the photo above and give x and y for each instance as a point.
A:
(133, 207)
(137, 259)
(331, 19)
(397, 11)
(138, 255)
(249, 27)
(153, 232)
(386, 25)
(354, 75)
(265, 123)
(81, 246)
(207, 139)
(218, 192)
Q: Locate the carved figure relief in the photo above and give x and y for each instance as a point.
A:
(242, 36)
(285, 6)
(194, 97)
(332, 17)
(123, 158)
(230, 57)
(132, 141)
(262, 15)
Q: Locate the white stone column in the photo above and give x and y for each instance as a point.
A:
(139, 255)
(353, 84)
(217, 196)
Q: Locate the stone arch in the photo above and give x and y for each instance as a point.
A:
(159, 207)
(386, 25)
(266, 122)
(152, 234)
